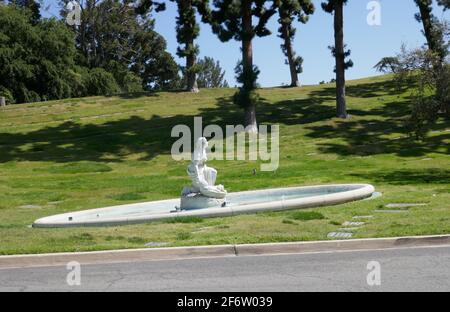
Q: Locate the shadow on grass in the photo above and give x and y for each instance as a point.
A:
(110, 141)
(368, 133)
(140, 94)
(114, 140)
(406, 177)
(365, 90)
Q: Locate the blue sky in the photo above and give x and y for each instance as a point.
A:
(367, 43)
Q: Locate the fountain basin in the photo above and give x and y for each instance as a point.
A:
(236, 203)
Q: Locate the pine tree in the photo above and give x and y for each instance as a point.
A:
(234, 20)
(211, 74)
(431, 30)
(288, 11)
(33, 6)
(187, 31)
(339, 52)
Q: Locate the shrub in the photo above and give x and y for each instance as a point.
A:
(430, 75)
(7, 94)
(131, 83)
(101, 82)
(30, 96)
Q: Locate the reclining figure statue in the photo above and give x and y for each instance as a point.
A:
(203, 193)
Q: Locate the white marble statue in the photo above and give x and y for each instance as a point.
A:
(203, 192)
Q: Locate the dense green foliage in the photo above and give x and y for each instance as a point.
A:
(113, 36)
(112, 51)
(33, 6)
(36, 61)
(101, 82)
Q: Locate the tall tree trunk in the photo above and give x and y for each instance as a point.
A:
(251, 125)
(425, 16)
(83, 37)
(247, 64)
(290, 55)
(430, 33)
(341, 106)
(92, 50)
(247, 47)
(191, 77)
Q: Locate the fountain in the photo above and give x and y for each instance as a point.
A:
(205, 199)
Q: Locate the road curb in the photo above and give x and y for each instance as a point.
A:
(343, 245)
(174, 253)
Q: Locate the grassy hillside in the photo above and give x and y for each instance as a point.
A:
(86, 153)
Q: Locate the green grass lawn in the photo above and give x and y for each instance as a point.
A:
(78, 154)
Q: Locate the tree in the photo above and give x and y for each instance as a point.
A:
(339, 52)
(187, 31)
(36, 61)
(101, 82)
(33, 6)
(431, 30)
(387, 64)
(144, 7)
(288, 10)
(210, 74)
(113, 35)
(445, 4)
(128, 47)
(430, 98)
(86, 32)
(234, 20)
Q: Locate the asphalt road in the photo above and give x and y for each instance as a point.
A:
(414, 269)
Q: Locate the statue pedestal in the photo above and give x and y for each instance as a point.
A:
(198, 201)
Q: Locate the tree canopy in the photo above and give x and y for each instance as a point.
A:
(112, 51)
(36, 61)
